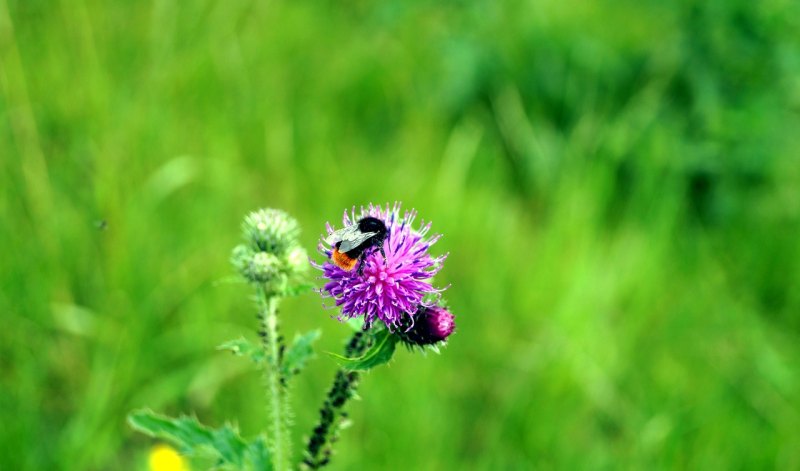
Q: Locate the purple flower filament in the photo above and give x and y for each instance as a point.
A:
(392, 288)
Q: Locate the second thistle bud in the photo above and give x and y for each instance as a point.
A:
(432, 325)
(271, 252)
(257, 267)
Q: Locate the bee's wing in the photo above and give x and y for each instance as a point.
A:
(342, 234)
(354, 240)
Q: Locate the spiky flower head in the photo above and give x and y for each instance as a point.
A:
(390, 289)
(271, 230)
(258, 267)
(432, 325)
(270, 254)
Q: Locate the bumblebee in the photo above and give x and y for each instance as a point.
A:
(352, 244)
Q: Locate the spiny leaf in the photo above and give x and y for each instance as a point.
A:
(185, 432)
(244, 348)
(258, 456)
(190, 435)
(298, 353)
(380, 352)
(230, 446)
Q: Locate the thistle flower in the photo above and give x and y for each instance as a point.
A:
(392, 288)
(271, 252)
(432, 325)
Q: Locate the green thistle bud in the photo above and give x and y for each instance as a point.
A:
(265, 267)
(270, 230)
(258, 267)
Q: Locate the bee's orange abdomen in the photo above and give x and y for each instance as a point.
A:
(342, 260)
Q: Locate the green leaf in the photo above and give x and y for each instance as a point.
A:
(244, 348)
(381, 351)
(185, 432)
(230, 446)
(191, 436)
(258, 456)
(298, 353)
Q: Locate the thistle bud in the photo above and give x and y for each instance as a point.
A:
(257, 267)
(270, 230)
(432, 325)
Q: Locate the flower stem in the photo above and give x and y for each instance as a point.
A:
(279, 408)
(332, 414)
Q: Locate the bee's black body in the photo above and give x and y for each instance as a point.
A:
(368, 224)
(352, 243)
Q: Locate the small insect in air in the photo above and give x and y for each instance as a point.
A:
(353, 243)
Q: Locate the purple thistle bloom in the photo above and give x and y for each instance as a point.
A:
(389, 289)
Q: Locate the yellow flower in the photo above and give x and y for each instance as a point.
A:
(165, 458)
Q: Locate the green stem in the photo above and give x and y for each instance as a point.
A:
(279, 408)
(332, 414)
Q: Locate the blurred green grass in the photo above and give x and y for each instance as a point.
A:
(618, 184)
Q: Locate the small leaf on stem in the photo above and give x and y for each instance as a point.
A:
(299, 353)
(242, 347)
(381, 351)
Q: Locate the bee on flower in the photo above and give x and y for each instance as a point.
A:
(378, 266)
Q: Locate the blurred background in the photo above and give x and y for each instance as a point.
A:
(617, 182)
